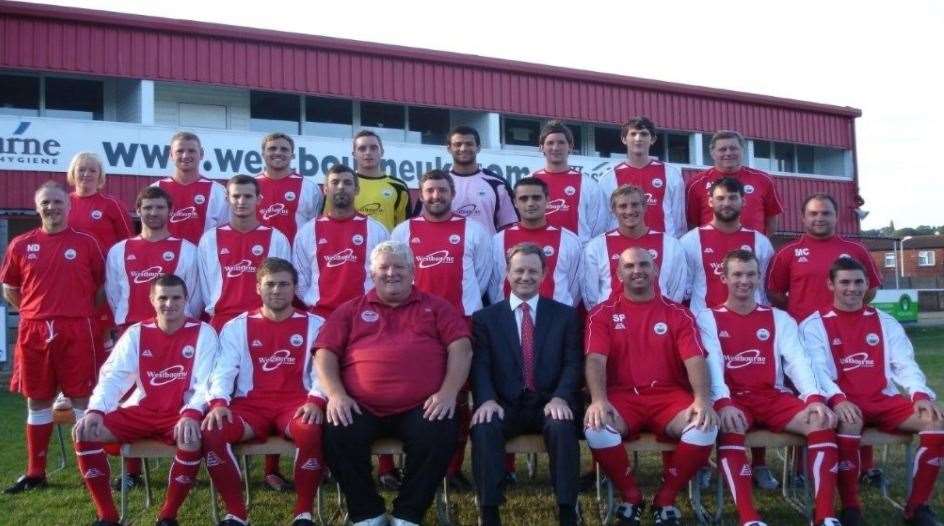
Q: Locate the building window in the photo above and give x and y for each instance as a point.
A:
(925, 258)
(274, 112)
(890, 260)
(784, 159)
(330, 111)
(577, 132)
(706, 149)
(671, 148)
(762, 158)
(377, 115)
(19, 95)
(607, 142)
(521, 132)
(75, 98)
(432, 124)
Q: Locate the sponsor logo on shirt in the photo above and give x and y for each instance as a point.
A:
(724, 334)
(275, 209)
(70, 254)
(650, 199)
(296, 340)
(748, 189)
(763, 334)
(257, 250)
(370, 316)
(466, 210)
(147, 275)
(455, 239)
(342, 257)
(660, 328)
(199, 199)
(188, 351)
(96, 214)
(856, 361)
(872, 339)
(717, 268)
(657, 182)
(745, 359)
(371, 208)
(238, 269)
(32, 247)
(548, 251)
(184, 214)
(289, 196)
(278, 359)
(166, 376)
(357, 239)
(556, 205)
(439, 257)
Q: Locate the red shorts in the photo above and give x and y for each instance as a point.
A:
(771, 409)
(137, 423)
(266, 417)
(884, 411)
(56, 354)
(651, 411)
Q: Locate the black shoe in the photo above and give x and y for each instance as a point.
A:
(25, 483)
(587, 482)
(921, 516)
(873, 477)
(628, 514)
(667, 516)
(167, 522)
(567, 516)
(391, 481)
(130, 480)
(303, 522)
(829, 521)
(277, 482)
(229, 521)
(459, 483)
(850, 517)
(489, 516)
(100, 522)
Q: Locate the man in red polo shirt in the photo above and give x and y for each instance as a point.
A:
(391, 363)
(53, 275)
(646, 371)
(762, 207)
(287, 200)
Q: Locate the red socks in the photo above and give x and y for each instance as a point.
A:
(271, 464)
(686, 461)
(821, 461)
(927, 465)
(733, 459)
(385, 464)
(308, 464)
(93, 466)
(38, 431)
(758, 456)
(866, 458)
(615, 463)
(509, 462)
(849, 468)
(222, 466)
(180, 479)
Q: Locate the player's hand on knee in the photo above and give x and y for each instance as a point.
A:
(310, 413)
(558, 409)
(215, 418)
(848, 413)
(600, 413)
(340, 410)
(733, 420)
(702, 415)
(487, 411)
(928, 410)
(89, 427)
(187, 432)
(818, 414)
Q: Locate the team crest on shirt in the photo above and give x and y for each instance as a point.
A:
(357, 239)
(872, 339)
(296, 340)
(257, 250)
(388, 193)
(657, 183)
(548, 251)
(763, 334)
(370, 316)
(660, 328)
(96, 214)
(570, 190)
(70, 254)
(188, 351)
(199, 199)
(289, 196)
(844, 256)
(168, 256)
(748, 189)
(653, 253)
(619, 321)
(747, 248)
(455, 239)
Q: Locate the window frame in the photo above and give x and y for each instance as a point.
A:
(894, 260)
(928, 256)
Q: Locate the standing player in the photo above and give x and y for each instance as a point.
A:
(861, 357)
(646, 371)
(167, 360)
(751, 347)
(762, 207)
(287, 200)
(331, 252)
(577, 202)
(481, 195)
(380, 196)
(561, 247)
(98, 215)
(706, 246)
(264, 384)
(601, 255)
(199, 203)
(662, 184)
(228, 256)
(53, 275)
(452, 260)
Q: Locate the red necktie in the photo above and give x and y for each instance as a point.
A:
(527, 346)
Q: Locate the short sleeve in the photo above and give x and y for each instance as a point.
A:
(451, 325)
(335, 333)
(772, 204)
(10, 273)
(597, 338)
(778, 276)
(687, 341)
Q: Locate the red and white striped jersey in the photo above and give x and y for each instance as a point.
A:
(288, 203)
(170, 372)
(600, 271)
(100, 216)
(860, 354)
(665, 194)
(198, 207)
(452, 259)
(752, 352)
(332, 258)
(562, 259)
(228, 260)
(266, 359)
(705, 248)
(575, 202)
(134, 263)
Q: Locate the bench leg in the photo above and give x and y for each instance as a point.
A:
(123, 499)
(244, 467)
(604, 497)
(147, 481)
(62, 449)
(532, 465)
(443, 508)
(909, 469)
(214, 503)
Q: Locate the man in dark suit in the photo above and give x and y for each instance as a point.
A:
(526, 374)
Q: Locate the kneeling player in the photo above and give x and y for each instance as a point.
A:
(859, 355)
(646, 371)
(267, 353)
(169, 358)
(751, 346)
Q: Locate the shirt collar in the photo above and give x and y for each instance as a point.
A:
(514, 302)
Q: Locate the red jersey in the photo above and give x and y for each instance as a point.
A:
(760, 197)
(197, 207)
(646, 343)
(392, 358)
(561, 258)
(800, 269)
(100, 216)
(287, 203)
(601, 256)
(58, 275)
(665, 194)
(575, 202)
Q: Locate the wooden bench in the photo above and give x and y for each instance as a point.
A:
(62, 419)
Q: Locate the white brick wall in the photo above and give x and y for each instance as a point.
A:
(168, 96)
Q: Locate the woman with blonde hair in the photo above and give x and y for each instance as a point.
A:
(101, 216)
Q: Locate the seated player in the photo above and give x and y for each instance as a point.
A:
(861, 357)
(750, 348)
(646, 371)
(267, 352)
(169, 358)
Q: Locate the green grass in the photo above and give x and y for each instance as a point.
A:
(530, 503)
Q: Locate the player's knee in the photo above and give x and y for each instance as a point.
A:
(849, 428)
(560, 428)
(931, 425)
(39, 416)
(190, 447)
(699, 437)
(602, 438)
(213, 438)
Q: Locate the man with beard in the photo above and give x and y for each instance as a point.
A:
(481, 195)
(287, 200)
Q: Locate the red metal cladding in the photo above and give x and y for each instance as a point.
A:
(17, 188)
(52, 38)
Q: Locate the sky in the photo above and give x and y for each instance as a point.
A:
(884, 58)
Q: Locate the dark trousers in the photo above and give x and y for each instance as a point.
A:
(523, 417)
(428, 446)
